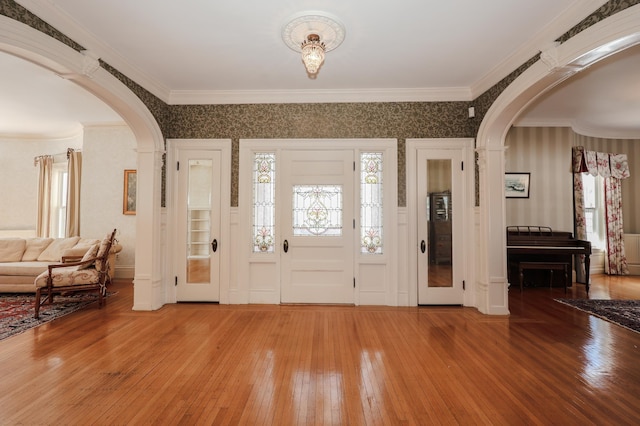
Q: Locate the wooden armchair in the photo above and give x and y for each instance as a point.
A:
(91, 273)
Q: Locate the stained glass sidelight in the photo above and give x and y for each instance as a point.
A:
(264, 199)
(371, 202)
(317, 210)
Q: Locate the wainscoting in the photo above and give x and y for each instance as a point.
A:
(632, 250)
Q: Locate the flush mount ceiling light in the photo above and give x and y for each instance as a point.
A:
(313, 34)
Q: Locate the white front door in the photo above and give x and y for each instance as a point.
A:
(440, 207)
(317, 221)
(198, 242)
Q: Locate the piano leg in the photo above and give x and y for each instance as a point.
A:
(587, 263)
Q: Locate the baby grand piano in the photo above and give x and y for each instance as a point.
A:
(541, 244)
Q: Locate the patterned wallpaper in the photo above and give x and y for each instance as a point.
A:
(350, 120)
(331, 121)
(609, 8)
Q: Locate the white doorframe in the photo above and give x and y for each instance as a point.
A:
(259, 273)
(174, 146)
(414, 146)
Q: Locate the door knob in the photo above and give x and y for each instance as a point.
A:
(423, 246)
(214, 245)
(285, 246)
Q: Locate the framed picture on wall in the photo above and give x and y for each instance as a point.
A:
(129, 196)
(516, 185)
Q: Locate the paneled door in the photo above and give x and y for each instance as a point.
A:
(440, 204)
(198, 226)
(317, 221)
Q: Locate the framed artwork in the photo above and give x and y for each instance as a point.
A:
(516, 185)
(129, 195)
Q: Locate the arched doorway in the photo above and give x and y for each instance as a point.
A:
(83, 69)
(558, 63)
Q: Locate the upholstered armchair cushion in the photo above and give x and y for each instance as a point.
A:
(90, 254)
(68, 276)
(104, 246)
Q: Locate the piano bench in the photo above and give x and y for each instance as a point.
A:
(548, 266)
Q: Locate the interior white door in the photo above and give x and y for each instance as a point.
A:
(198, 246)
(317, 223)
(440, 226)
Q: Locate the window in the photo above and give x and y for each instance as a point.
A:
(59, 188)
(264, 202)
(594, 209)
(317, 210)
(371, 203)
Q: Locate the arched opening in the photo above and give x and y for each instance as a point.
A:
(27, 43)
(603, 39)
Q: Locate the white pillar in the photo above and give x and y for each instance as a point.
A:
(492, 288)
(148, 290)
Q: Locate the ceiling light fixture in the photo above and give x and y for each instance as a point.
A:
(312, 53)
(313, 34)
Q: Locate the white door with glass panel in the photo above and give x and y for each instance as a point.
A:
(440, 202)
(198, 226)
(317, 221)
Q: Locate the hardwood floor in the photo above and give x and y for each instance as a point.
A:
(544, 364)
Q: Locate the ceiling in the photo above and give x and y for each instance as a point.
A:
(214, 52)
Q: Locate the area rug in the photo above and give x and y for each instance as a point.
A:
(16, 310)
(625, 313)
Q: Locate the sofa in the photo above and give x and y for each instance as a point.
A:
(23, 259)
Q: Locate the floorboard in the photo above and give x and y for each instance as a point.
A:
(545, 363)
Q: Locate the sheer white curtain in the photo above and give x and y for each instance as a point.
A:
(45, 170)
(73, 193)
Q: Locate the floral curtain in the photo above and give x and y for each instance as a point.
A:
(613, 168)
(580, 223)
(616, 262)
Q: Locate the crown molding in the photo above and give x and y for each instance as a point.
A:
(562, 122)
(571, 16)
(73, 132)
(48, 11)
(583, 129)
(54, 16)
(110, 124)
(202, 97)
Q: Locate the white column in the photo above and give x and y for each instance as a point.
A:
(148, 293)
(492, 288)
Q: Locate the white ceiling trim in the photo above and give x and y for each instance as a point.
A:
(542, 40)
(49, 12)
(54, 16)
(604, 133)
(218, 97)
(562, 122)
(582, 129)
(71, 134)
